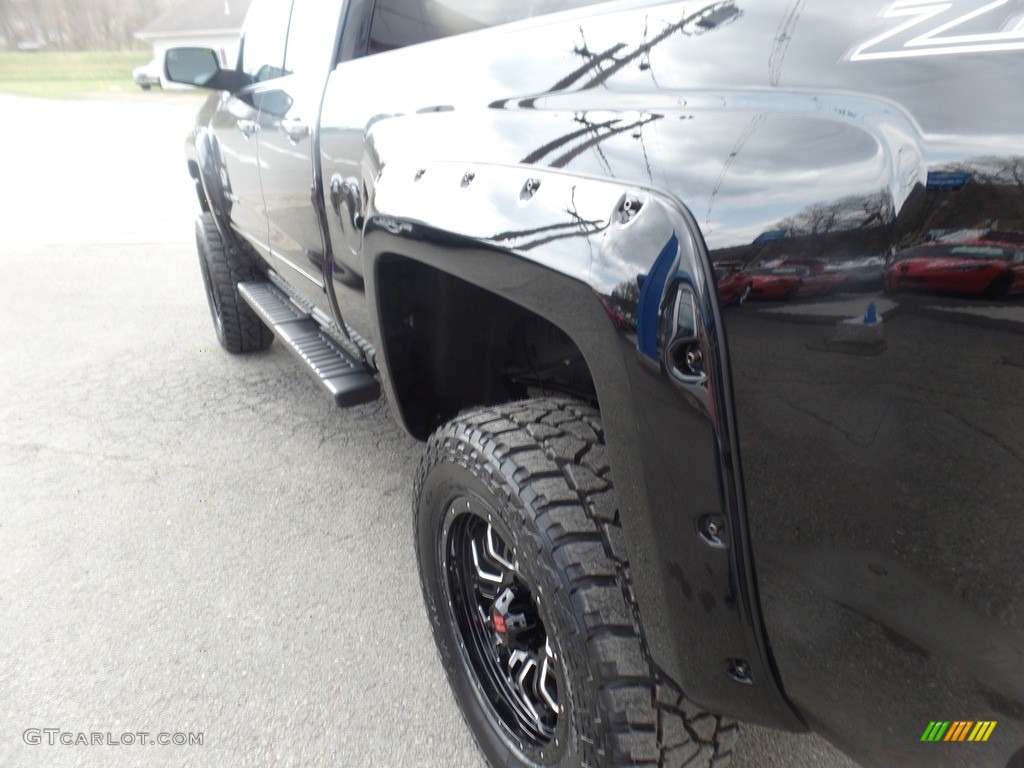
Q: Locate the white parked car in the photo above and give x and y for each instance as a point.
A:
(147, 75)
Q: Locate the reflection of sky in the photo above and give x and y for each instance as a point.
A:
(823, 139)
(944, 93)
(774, 178)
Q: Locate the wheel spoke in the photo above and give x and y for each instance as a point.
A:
(502, 629)
(492, 551)
(520, 666)
(495, 578)
(547, 685)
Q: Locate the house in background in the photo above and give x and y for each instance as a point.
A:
(215, 24)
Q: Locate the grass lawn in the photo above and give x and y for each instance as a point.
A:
(59, 75)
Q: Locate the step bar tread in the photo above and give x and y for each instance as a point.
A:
(347, 378)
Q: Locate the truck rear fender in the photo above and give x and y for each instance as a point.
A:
(622, 271)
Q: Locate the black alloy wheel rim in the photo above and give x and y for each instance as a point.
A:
(503, 636)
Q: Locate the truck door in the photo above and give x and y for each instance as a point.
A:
(288, 148)
(236, 124)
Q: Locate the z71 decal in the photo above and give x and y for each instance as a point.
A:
(937, 29)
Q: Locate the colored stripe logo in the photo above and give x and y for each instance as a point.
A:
(958, 730)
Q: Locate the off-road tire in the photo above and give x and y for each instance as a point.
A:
(538, 472)
(238, 328)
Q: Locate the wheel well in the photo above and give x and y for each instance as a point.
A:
(452, 345)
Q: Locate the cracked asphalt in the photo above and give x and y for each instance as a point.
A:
(192, 542)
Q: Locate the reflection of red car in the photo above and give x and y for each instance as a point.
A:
(815, 279)
(733, 285)
(979, 268)
(773, 285)
(794, 279)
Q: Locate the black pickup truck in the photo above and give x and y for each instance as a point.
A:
(710, 315)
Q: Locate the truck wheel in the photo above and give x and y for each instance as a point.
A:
(238, 327)
(527, 589)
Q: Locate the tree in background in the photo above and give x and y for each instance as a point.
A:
(76, 25)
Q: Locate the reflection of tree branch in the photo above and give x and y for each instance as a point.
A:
(845, 214)
(546, 240)
(666, 33)
(568, 229)
(646, 62)
(578, 226)
(512, 234)
(699, 23)
(563, 160)
(604, 161)
(781, 42)
(647, 158)
(582, 223)
(755, 122)
(593, 61)
(543, 149)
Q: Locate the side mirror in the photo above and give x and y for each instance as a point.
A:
(199, 67)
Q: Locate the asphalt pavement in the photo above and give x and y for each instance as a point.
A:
(193, 542)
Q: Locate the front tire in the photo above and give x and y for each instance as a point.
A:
(238, 328)
(527, 588)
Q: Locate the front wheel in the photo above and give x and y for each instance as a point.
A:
(527, 588)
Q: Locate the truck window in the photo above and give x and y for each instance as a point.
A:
(311, 36)
(398, 23)
(263, 40)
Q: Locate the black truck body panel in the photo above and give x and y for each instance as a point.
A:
(824, 517)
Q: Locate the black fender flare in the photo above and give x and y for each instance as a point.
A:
(624, 272)
(216, 198)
